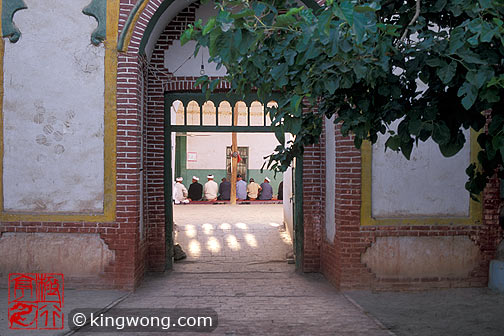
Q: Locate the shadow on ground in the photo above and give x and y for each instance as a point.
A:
(460, 311)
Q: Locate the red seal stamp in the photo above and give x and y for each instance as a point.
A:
(36, 300)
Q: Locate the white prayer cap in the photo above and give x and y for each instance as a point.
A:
(210, 176)
(195, 178)
(267, 179)
(179, 179)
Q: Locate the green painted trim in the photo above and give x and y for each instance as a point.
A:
(168, 178)
(164, 5)
(298, 213)
(9, 29)
(366, 216)
(180, 156)
(168, 185)
(222, 129)
(152, 23)
(128, 24)
(98, 10)
(216, 98)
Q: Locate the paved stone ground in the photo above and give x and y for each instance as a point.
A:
(457, 311)
(236, 265)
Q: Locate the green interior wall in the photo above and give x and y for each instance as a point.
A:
(180, 156)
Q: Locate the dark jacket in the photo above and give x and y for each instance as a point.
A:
(195, 192)
(225, 191)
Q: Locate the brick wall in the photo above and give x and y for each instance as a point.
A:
(158, 78)
(313, 201)
(341, 261)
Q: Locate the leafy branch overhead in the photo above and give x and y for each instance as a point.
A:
(432, 66)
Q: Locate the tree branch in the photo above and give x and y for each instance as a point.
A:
(415, 17)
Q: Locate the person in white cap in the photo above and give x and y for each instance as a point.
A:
(211, 189)
(267, 190)
(179, 191)
(195, 190)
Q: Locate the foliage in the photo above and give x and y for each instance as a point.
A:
(371, 63)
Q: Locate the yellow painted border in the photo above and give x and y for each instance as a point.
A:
(109, 204)
(475, 208)
(134, 20)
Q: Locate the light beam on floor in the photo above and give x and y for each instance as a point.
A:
(194, 248)
(190, 230)
(225, 226)
(232, 242)
(251, 240)
(207, 228)
(213, 244)
(242, 226)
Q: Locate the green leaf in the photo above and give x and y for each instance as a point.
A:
(324, 22)
(415, 126)
(479, 77)
(360, 70)
(452, 148)
(485, 3)
(209, 26)
(456, 39)
(470, 93)
(332, 84)
(441, 134)
(290, 56)
(471, 57)
(293, 125)
(406, 148)
(295, 103)
(201, 80)
(435, 62)
(364, 9)
(487, 32)
(344, 11)
(279, 70)
(214, 83)
(186, 36)
(288, 18)
(393, 142)
(447, 71)
(359, 26)
(280, 134)
(243, 13)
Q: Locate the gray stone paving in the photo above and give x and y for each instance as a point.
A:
(456, 311)
(236, 265)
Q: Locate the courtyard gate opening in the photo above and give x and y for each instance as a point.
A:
(189, 112)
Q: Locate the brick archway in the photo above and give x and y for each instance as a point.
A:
(140, 119)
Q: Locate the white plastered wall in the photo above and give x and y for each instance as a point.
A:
(330, 179)
(210, 148)
(53, 112)
(426, 185)
(180, 60)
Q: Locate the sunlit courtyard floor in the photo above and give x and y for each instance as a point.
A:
(221, 238)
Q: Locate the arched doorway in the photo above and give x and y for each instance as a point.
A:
(153, 26)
